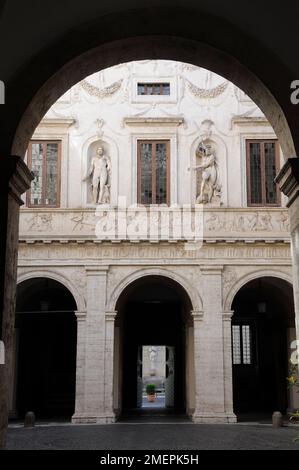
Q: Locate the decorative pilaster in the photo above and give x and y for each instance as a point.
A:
(228, 364)
(94, 409)
(197, 316)
(288, 181)
(80, 363)
(109, 361)
(210, 346)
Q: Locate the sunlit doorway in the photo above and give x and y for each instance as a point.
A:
(155, 377)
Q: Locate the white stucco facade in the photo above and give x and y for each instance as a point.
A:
(239, 243)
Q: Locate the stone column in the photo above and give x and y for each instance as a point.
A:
(93, 407)
(228, 365)
(109, 362)
(15, 179)
(197, 316)
(80, 363)
(211, 362)
(288, 181)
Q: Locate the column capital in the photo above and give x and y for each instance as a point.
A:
(288, 179)
(96, 270)
(80, 315)
(197, 315)
(110, 315)
(227, 315)
(211, 269)
(15, 174)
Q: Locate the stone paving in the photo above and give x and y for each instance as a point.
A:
(152, 436)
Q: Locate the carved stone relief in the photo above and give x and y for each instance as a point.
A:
(40, 222)
(93, 90)
(205, 93)
(229, 279)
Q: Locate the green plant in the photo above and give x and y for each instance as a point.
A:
(150, 389)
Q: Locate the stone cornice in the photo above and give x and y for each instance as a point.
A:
(288, 179)
(249, 120)
(154, 121)
(56, 122)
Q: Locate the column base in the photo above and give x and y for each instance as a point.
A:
(83, 418)
(213, 418)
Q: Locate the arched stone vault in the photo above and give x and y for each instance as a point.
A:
(182, 281)
(256, 274)
(59, 277)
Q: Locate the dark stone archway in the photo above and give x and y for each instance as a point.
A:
(261, 324)
(46, 339)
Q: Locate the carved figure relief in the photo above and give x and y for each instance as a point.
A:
(40, 222)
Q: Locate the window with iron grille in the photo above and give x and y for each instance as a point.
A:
(262, 167)
(153, 172)
(44, 162)
(153, 88)
(242, 344)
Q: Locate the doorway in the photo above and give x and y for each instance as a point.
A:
(154, 348)
(155, 377)
(46, 338)
(262, 327)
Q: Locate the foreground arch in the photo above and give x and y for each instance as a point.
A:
(38, 76)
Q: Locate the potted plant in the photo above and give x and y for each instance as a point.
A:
(151, 392)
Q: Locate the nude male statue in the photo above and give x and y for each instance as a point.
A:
(99, 171)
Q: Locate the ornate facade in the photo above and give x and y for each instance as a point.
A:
(205, 236)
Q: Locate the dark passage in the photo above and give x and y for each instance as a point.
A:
(263, 312)
(46, 349)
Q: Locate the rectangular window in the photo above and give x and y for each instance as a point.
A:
(262, 166)
(44, 162)
(153, 88)
(242, 344)
(153, 172)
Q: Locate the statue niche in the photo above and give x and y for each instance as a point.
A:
(208, 189)
(98, 177)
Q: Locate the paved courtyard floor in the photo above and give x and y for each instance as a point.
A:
(150, 436)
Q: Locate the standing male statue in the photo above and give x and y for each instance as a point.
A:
(100, 172)
(209, 173)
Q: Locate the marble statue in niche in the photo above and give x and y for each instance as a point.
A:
(209, 187)
(99, 177)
